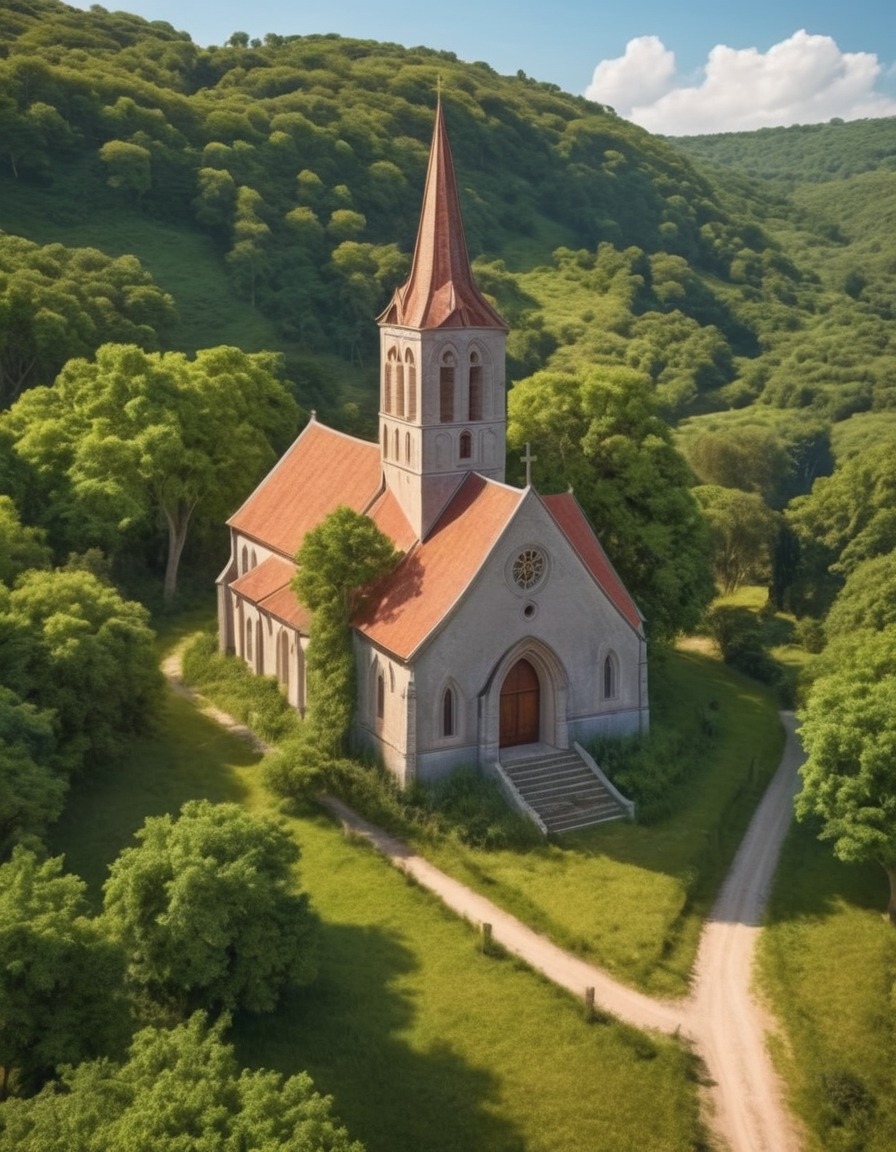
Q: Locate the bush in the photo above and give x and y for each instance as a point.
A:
(471, 807)
(650, 769)
(257, 701)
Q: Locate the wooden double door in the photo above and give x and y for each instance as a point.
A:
(520, 706)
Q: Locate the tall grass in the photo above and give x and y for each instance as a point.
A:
(828, 966)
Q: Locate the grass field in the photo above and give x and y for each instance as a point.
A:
(828, 967)
(426, 1043)
(632, 898)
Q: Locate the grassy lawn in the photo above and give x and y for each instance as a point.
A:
(828, 967)
(632, 899)
(426, 1043)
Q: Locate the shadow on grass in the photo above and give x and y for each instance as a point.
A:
(811, 881)
(190, 757)
(345, 1031)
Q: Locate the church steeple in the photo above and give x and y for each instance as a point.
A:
(440, 291)
(442, 360)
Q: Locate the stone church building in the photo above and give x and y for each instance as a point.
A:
(504, 628)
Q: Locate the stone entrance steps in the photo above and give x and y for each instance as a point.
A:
(561, 788)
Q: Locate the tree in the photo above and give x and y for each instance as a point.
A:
(743, 532)
(20, 547)
(178, 1089)
(136, 434)
(849, 733)
(129, 166)
(60, 976)
(31, 792)
(58, 302)
(867, 599)
(598, 432)
(206, 910)
(338, 563)
(73, 645)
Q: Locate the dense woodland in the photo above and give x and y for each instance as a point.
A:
(194, 244)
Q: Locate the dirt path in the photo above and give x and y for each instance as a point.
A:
(721, 1017)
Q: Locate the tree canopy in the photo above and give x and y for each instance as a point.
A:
(60, 976)
(849, 733)
(598, 432)
(177, 1089)
(207, 910)
(132, 436)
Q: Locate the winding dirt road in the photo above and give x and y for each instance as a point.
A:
(721, 1017)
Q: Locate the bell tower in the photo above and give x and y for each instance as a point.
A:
(442, 348)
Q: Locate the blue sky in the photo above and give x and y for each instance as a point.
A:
(699, 66)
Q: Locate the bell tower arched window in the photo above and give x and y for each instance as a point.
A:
(475, 387)
(389, 381)
(410, 369)
(446, 388)
(466, 445)
(399, 389)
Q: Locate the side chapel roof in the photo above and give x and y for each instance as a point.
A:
(320, 471)
(441, 291)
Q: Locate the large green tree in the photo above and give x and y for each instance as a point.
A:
(178, 1089)
(132, 436)
(60, 976)
(338, 562)
(71, 644)
(57, 303)
(744, 530)
(207, 910)
(31, 791)
(598, 432)
(849, 733)
(21, 547)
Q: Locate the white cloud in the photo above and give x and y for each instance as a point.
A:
(803, 80)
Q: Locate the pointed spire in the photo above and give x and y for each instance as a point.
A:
(440, 291)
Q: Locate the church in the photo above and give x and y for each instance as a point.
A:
(504, 629)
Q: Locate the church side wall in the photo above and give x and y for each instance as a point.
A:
(385, 710)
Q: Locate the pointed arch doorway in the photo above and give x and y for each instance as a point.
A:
(520, 706)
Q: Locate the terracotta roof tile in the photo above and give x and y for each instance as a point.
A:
(268, 586)
(388, 516)
(573, 523)
(441, 291)
(419, 594)
(322, 470)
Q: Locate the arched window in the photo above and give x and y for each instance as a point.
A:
(254, 559)
(475, 387)
(380, 696)
(407, 447)
(411, 374)
(449, 719)
(466, 445)
(283, 658)
(395, 441)
(388, 374)
(248, 652)
(244, 560)
(446, 388)
(610, 684)
(399, 389)
(385, 443)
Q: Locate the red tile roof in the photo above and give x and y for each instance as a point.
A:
(322, 470)
(420, 593)
(268, 586)
(441, 291)
(574, 525)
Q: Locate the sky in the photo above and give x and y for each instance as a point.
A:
(675, 69)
